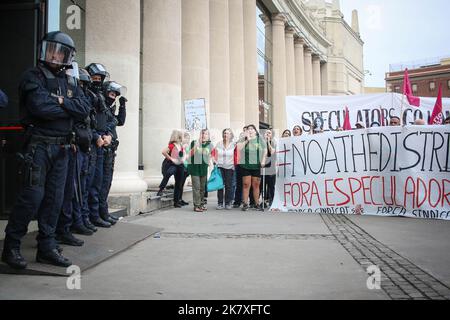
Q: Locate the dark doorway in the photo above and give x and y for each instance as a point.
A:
(22, 24)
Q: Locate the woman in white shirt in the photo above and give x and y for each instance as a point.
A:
(224, 158)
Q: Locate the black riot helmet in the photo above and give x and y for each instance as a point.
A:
(98, 69)
(57, 48)
(84, 76)
(112, 86)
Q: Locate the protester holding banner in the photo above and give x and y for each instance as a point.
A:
(224, 158)
(297, 131)
(269, 171)
(200, 157)
(286, 133)
(447, 120)
(173, 166)
(253, 149)
(394, 122)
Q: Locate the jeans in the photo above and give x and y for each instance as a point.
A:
(269, 187)
(227, 175)
(178, 172)
(238, 192)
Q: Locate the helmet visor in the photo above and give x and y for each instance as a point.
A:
(117, 88)
(57, 53)
(73, 71)
(99, 70)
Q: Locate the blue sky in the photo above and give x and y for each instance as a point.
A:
(397, 31)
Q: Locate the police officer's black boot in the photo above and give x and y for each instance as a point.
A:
(81, 229)
(99, 222)
(108, 218)
(87, 223)
(69, 239)
(13, 258)
(53, 257)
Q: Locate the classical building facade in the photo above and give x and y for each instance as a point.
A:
(242, 56)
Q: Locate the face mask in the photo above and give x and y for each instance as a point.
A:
(110, 101)
(96, 86)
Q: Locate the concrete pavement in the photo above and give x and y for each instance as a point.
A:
(251, 255)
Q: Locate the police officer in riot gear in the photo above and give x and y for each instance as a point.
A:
(102, 137)
(112, 90)
(49, 106)
(80, 223)
(70, 219)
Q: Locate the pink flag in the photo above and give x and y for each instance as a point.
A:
(407, 91)
(437, 116)
(347, 125)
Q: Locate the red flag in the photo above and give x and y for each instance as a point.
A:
(437, 116)
(347, 125)
(407, 91)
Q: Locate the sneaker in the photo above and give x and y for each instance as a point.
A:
(236, 205)
(258, 207)
(204, 207)
(184, 203)
(220, 207)
(228, 207)
(244, 207)
(198, 209)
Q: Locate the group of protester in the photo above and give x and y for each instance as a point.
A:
(68, 154)
(243, 163)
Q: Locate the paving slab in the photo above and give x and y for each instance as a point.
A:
(104, 244)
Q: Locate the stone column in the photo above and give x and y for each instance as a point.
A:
(290, 62)
(251, 66)
(123, 63)
(279, 72)
(195, 52)
(324, 78)
(268, 33)
(308, 72)
(219, 57)
(299, 67)
(317, 83)
(237, 71)
(161, 81)
(268, 92)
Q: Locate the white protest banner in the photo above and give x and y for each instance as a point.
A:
(195, 115)
(389, 171)
(371, 109)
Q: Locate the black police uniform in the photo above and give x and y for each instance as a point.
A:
(95, 177)
(110, 154)
(48, 136)
(73, 194)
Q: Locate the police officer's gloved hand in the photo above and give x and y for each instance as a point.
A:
(122, 101)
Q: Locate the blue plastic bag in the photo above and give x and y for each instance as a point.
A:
(215, 181)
